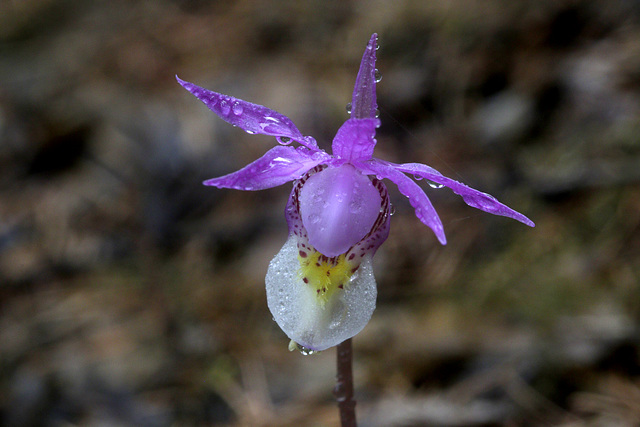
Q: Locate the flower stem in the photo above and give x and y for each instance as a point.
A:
(343, 390)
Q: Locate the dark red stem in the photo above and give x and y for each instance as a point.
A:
(343, 390)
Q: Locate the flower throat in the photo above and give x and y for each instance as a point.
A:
(324, 274)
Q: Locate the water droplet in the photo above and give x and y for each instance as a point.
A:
(303, 350)
(392, 210)
(237, 109)
(349, 108)
(377, 75)
(313, 218)
(377, 46)
(377, 113)
(434, 184)
(306, 351)
(224, 106)
(417, 177)
(251, 132)
(335, 323)
(284, 140)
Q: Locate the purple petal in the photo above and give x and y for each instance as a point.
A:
(253, 118)
(339, 206)
(277, 166)
(418, 199)
(363, 104)
(355, 139)
(473, 198)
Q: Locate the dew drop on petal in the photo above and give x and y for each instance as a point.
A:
(284, 140)
(224, 106)
(434, 184)
(302, 349)
(417, 177)
(250, 132)
(377, 113)
(377, 75)
(482, 201)
(237, 109)
(307, 351)
(348, 108)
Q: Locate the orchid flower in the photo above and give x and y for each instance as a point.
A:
(320, 286)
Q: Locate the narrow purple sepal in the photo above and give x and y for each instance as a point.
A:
(253, 118)
(355, 139)
(472, 197)
(363, 103)
(418, 199)
(278, 166)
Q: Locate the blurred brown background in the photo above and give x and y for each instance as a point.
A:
(131, 295)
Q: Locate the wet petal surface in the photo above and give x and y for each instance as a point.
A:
(355, 139)
(276, 167)
(251, 117)
(471, 196)
(363, 103)
(423, 208)
(295, 305)
(338, 206)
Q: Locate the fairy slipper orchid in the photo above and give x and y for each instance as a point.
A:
(320, 286)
